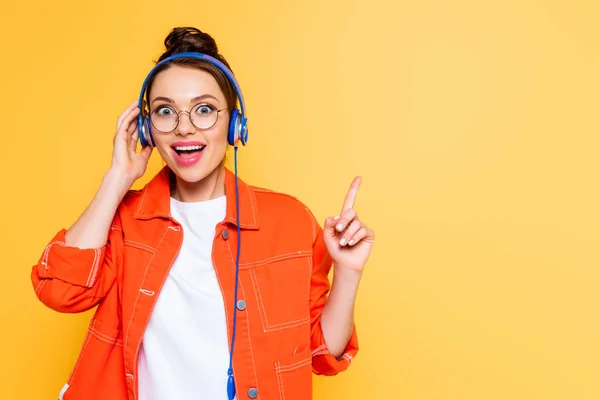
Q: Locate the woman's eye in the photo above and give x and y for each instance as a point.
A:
(164, 112)
(204, 109)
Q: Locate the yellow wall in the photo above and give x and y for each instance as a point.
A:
(474, 124)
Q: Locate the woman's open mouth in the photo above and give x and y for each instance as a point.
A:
(188, 153)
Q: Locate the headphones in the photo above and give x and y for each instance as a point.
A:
(238, 130)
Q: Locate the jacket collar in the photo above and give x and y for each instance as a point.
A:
(155, 200)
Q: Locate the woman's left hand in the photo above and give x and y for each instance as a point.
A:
(348, 240)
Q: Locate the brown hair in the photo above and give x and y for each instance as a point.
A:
(189, 39)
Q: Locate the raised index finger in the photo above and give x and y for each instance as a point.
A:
(351, 196)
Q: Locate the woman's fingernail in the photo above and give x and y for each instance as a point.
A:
(339, 227)
(336, 218)
(351, 242)
(343, 241)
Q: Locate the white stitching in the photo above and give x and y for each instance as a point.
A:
(275, 327)
(47, 252)
(97, 264)
(175, 228)
(93, 269)
(147, 292)
(139, 245)
(252, 204)
(96, 256)
(280, 327)
(259, 302)
(142, 283)
(281, 257)
(279, 369)
(45, 256)
(279, 383)
(313, 222)
(247, 324)
(142, 201)
(318, 349)
(40, 286)
(105, 338)
(138, 296)
(293, 366)
(93, 328)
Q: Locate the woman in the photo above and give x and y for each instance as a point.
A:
(185, 311)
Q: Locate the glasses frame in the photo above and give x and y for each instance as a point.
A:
(177, 114)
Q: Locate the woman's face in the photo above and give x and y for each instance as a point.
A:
(189, 130)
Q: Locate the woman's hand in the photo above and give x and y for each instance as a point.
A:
(127, 164)
(347, 239)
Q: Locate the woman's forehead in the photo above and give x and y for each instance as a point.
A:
(185, 83)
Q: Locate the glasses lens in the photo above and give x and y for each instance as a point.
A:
(203, 116)
(164, 119)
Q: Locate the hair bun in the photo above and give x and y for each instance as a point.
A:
(189, 39)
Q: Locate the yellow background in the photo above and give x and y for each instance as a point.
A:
(474, 124)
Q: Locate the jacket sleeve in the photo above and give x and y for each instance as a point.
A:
(323, 363)
(71, 280)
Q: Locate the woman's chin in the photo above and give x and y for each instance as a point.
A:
(192, 173)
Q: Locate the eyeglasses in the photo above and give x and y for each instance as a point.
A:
(166, 119)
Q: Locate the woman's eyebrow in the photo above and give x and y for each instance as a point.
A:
(160, 98)
(195, 99)
(204, 96)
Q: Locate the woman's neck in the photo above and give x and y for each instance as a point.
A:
(211, 187)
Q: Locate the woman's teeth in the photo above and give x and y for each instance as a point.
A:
(182, 149)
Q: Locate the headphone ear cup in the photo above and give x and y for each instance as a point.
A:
(244, 131)
(145, 132)
(148, 132)
(235, 125)
(142, 130)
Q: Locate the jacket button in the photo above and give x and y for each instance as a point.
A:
(253, 393)
(241, 305)
(225, 234)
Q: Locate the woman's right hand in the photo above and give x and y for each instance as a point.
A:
(91, 229)
(127, 163)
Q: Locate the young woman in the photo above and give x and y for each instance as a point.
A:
(206, 287)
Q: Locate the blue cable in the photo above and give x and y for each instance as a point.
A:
(230, 381)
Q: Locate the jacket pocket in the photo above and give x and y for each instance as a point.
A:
(294, 376)
(99, 370)
(282, 289)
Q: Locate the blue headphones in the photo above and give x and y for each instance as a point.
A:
(238, 130)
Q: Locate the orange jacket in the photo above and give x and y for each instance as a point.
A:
(283, 280)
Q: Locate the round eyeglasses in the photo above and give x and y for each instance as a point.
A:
(166, 119)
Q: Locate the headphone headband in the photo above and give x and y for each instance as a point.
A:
(236, 128)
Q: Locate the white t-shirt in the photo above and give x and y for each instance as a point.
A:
(185, 350)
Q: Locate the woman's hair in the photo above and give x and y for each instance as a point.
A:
(188, 39)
